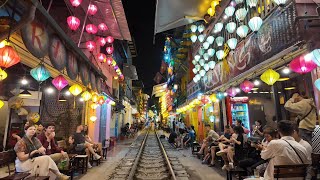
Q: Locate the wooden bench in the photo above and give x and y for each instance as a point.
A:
(7, 158)
(290, 171)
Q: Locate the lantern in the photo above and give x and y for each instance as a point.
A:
(232, 43)
(201, 28)
(197, 57)
(75, 89)
(212, 118)
(220, 54)
(270, 77)
(218, 27)
(201, 38)
(281, 3)
(113, 62)
(102, 57)
(198, 77)
(246, 86)
(193, 38)
(229, 11)
(210, 39)
(212, 64)
(102, 27)
(201, 62)
(201, 51)
(101, 100)
(59, 82)
(202, 72)
(211, 11)
(206, 56)
(1, 104)
(91, 45)
(197, 67)
(302, 65)
(92, 9)
(220, 95)
(75, 3)
(255, 23)
(91, 29)
(241, 14)
(109, 49)
(206, 67)
(242, 31)
(193, 28)
(40, 73)
(8, 56)
(109, 60)
(109, 39)
(195, 79)
(232, 91)
(102, 41)
(252, 3)
(194, 62)
(239, 1)
(211, 52)
(3, 74)
(94, 106)
(86, 96)
(220, 41)
(205, 45)
(314, 56)
(73, 22)
(214, 3)
(94, 97)
(93, 118)
(231, 27)
(316, 83)
(194, 70)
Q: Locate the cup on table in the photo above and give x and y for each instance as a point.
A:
(256, 173)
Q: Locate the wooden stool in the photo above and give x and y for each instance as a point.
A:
(38, 178)
(81, 162)
(104, 152)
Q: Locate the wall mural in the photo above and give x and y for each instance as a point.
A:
(278, 32)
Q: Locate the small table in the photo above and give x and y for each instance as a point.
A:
(81, 162)
(38, 178)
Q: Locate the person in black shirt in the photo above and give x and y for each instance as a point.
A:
(172, 137)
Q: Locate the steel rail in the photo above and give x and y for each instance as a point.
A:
(136, 161)
(173, 175)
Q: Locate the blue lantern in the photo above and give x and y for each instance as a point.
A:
(40, 73)
(317, 84)
(220, 95)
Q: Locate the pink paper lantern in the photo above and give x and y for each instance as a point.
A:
(246, 86)
(102, 41)
(109, 39)
(232, 91)
(60, 82)
(115, 67)
(75, 3)
(109, 60)
(102, 27)
(301, 65)
(91, 45)
(91, 29)
(109, 49)
(92, 9)
(73, 22)
(101, 57)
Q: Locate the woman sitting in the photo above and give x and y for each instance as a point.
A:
(31, 156)
(96, 146)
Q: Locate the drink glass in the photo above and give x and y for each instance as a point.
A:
(256, 173)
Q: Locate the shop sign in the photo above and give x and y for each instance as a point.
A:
(278, 32)
(239, 99)
(72, 66)
(57, 53)
(36, 39)
(93, 81)
(84, 74)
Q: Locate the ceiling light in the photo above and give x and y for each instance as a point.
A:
(254, 89)
(225, 17)
(81, 99)
(225, 94)
(238, 90)
(49, 90)
(286, 70)
(24, 81)
(255, 92)
(289, 88)
(25, 93)
(256, 82)
(67, 93)
(283, 79)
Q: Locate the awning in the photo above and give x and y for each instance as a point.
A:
(172, 14)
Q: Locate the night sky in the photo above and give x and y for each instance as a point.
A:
(140, 17)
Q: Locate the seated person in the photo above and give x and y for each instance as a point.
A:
(71, 147)
(191, 136)
(96, 146)
(212, 136)
(173, 138)
(40, 129)
(31, 156)
(239, 123)
(257, 132)
(47, 140)
(81, 144)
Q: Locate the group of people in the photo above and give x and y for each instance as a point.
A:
(180, 135)
(38, 154)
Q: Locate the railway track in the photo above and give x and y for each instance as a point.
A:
(150, 158)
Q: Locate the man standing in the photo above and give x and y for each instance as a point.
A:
(284, 151)
(47, 140)
(306, 111)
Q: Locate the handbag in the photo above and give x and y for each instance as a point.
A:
(298, 118)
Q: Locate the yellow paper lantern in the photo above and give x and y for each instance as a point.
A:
(94, 97)
(86, 96)
(214, 3)
(1, 104)
(93, 118)
(75, 89)
(211, 11)
(94, 106)
(213, 97)
(3, 74)
(114, 63)
(270, 77)
(33, 116)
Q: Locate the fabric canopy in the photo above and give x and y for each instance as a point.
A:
(171, 14)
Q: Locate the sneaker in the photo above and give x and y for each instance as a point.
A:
(96, 156)
(220, 153)
(63, 177)
(226, 167)
(89, 165)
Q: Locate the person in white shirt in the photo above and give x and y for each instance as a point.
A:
(281, 152)
(212, 136)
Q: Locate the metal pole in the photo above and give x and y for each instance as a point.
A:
(84, 24)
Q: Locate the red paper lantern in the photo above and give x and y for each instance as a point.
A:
(101, 100)
(109, 49)
(91, 29)
(92, 9)
(102, 41)
(73, 22)
(102, 57)
(102, 27)
(109, 39)
(109, 60)
(75, 3)
(246, 86)
(60, 82)
(301, 65)
(91, 45)
(8, 56)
